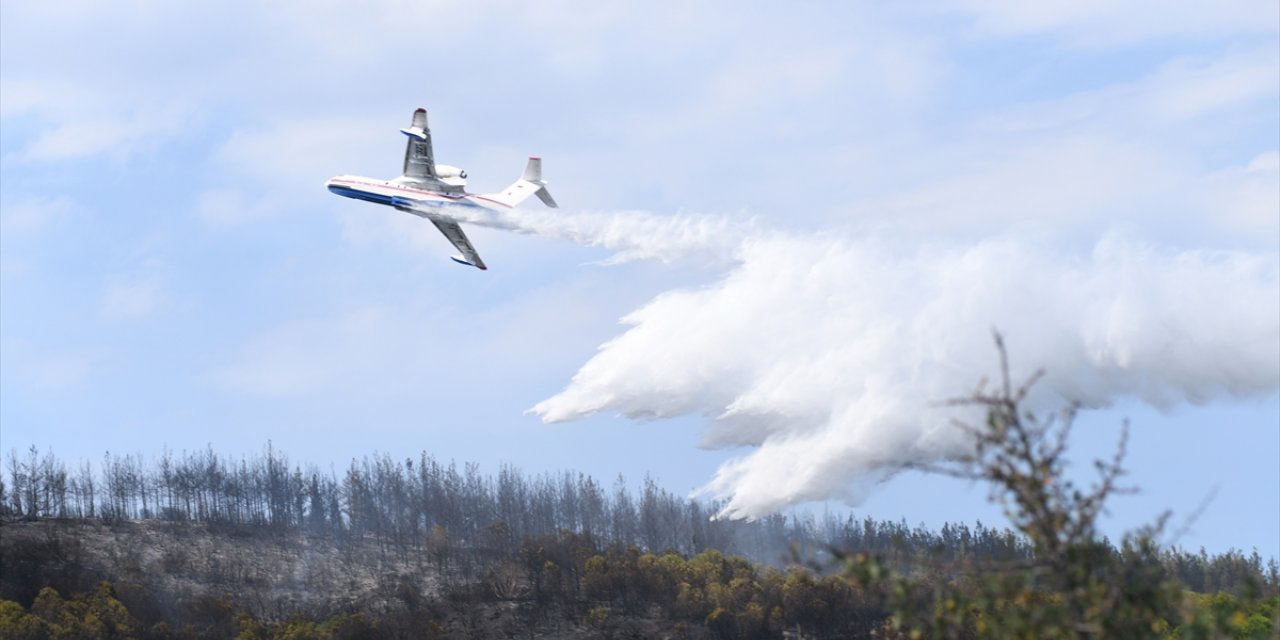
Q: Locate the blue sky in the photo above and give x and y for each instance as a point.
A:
(174, 274)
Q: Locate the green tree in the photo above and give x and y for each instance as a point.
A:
(1074, 585)
(17, 624)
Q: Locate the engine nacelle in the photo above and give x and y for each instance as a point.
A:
(448, 171)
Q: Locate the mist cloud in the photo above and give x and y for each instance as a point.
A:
(631, 235)
(829, 355)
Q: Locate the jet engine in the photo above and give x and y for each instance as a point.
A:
(447, 171)
(453, 177)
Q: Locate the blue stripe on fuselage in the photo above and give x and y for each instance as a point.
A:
(398, 201)
(348, 192)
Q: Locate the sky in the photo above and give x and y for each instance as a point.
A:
(785, 236)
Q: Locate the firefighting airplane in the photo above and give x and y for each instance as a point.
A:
(436, 191)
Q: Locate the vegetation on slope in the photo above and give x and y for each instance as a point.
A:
(197, 546)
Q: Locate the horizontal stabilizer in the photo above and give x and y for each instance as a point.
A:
(529, 184)
(418, 128)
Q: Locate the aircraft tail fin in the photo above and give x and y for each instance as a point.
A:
(533, 170)
(529, 184)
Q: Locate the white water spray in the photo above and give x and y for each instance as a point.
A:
(830, 355)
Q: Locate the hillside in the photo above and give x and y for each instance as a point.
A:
(201, 581)
(200, 546)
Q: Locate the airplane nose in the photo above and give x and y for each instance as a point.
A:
(332, 185)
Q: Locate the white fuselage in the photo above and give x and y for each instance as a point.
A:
(417, 199)
(437, 192)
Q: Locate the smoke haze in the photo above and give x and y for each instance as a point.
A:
(830, 356)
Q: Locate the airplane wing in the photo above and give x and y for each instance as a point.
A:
(419, 161)
(454, 233)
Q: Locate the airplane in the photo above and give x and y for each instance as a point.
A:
(437, 192)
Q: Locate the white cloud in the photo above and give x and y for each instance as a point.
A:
(64, 120)
(40, 370)
(1179, 90)
(229, 207)
(131, 299)
(1246, 199)
(1132, 154)
(305, 357)
(1099, 23)
(1187, 88)
(117, 135)
(34, 213)
(59, 371)
(1062, 183)
(382, 349)
(302, 152)
(24, 96)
